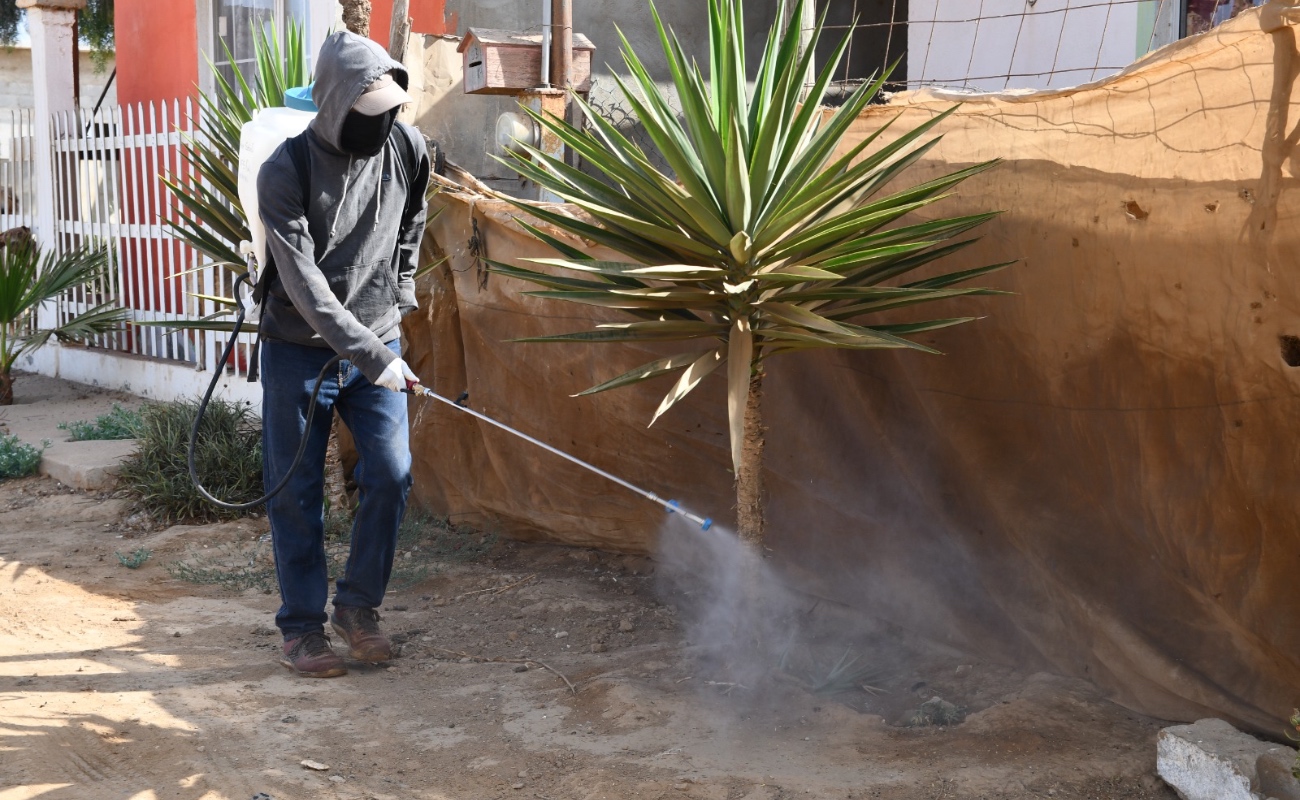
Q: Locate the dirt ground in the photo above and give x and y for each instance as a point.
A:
(135, 684)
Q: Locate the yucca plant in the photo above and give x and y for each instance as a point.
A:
(762, 242)
(29, 280)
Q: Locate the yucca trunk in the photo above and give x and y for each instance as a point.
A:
(6, 388)
(356, 16)
(750, 520)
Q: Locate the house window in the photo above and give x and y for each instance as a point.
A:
(237, 23)
(1201, 15)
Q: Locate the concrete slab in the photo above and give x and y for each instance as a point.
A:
(90, 466)
(1211, 760)
(42, 403)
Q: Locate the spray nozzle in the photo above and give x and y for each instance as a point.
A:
(674, 507)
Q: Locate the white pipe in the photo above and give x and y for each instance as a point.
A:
(807, 24)
(546, 43)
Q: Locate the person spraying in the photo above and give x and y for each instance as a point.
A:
(344, 210)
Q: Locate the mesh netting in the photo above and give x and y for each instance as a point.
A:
(978, 46)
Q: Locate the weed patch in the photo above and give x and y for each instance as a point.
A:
(120, 423)
(439, 539)
(228, 457)
(18, 459)
(232, 567)
(424, 545)
(135, 559)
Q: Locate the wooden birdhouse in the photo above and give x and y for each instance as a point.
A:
(510, 62)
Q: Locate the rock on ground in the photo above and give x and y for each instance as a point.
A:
(1211, 760)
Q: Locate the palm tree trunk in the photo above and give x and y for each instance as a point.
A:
(750, 520)
(6, 388)
(356, 16)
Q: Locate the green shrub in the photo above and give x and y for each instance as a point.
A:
(228, 457)
(18, 460)
(120, 423)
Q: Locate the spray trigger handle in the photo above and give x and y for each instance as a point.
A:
(673, 507)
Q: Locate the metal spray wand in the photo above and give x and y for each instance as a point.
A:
(671, 506)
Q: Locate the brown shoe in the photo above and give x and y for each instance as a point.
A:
(311, 656)
(359, 627)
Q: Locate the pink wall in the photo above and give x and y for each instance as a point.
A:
(157, 50)
(157, 60)
(429, 17)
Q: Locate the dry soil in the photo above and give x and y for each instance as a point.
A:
(133, 684)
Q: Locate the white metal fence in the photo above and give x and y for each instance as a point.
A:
(108, 167)
(17, 169)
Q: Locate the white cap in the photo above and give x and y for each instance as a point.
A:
(381, 96)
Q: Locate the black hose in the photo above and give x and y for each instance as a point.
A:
(203, 407)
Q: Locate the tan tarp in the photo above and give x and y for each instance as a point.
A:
(1099, 479)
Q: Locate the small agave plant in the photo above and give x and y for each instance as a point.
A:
(768, 237)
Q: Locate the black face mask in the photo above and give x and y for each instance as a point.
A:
(364, 135)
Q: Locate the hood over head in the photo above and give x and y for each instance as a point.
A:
(347, 64)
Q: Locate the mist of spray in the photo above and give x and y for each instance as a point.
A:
(738, 615)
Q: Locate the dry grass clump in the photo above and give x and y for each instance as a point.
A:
(228, 457)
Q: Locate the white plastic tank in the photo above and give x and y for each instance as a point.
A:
(257, 141)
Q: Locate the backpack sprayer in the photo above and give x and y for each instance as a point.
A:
(258, 140)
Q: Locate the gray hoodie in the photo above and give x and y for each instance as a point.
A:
(345, 261)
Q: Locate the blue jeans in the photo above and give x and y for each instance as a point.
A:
(376, 417)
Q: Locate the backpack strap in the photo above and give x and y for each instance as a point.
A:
(410, 159)
(300, 155)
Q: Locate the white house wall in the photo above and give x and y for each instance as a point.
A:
(151, 378)
(993, 45)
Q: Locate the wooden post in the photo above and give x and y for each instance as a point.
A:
(562, 44)
(554, 102)
(356, 16)
(399, 30)
(562, 56)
